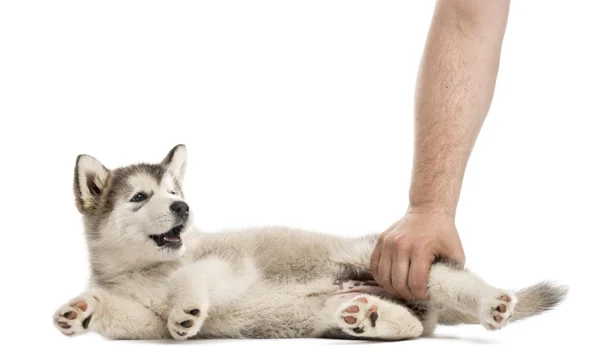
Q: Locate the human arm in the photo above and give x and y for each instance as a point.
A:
(454, 92)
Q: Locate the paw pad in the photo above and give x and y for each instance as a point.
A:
(496, 311)
(70, 315)
(75, 317)
(359, 314)
(82, 305)
(352, 309)
(184, 323)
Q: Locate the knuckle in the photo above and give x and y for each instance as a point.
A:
(388, 240)
(401, 243)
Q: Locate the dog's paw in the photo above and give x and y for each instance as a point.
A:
(185, 323)
(371, 317)
(74, 317)
(496, 311)
(358, 315)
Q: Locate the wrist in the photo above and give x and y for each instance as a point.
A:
(432, 208)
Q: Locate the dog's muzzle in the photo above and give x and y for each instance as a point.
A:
(171, 238)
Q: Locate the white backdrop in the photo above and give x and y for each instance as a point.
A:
(294, 113)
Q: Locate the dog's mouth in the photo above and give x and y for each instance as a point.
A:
(170, 238)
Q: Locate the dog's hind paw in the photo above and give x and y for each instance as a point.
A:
(358, 315)
(371, 317)
(496, 311)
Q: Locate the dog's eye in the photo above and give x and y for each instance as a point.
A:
(174, 193)
(139, 197)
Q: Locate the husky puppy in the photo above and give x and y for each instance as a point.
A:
(154, 276)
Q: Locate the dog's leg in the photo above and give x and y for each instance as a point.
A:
(461, 296)
(209, 282)
(111, 316)
(463, 291)
(365, 316)
(467, 296)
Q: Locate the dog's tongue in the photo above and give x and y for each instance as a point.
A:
(172, 238)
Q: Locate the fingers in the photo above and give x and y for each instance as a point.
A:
(390, 266)
(418, 275)
(384, 273)
(375, 257)
(402, 259)
(400, 266)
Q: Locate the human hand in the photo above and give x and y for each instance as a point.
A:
(404, 253)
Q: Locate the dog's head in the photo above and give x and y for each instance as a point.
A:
(134, 214)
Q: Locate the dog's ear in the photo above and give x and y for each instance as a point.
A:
(176, 162)
(90, 180)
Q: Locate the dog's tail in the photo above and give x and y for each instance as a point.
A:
(531, 301)
(538, 298)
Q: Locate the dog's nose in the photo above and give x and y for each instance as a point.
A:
(180, 209)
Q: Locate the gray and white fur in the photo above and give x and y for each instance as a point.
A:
(155, 276)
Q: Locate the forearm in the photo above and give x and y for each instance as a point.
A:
(454, 92)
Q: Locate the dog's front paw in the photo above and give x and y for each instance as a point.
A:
(74, 317)
(185, 323)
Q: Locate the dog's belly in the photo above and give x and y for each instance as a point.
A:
(283, 311)
(360, 287)
(352, 288)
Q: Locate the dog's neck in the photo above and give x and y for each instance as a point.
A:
(113, 275)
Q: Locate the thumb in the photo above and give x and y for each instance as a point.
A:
(457, 255)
